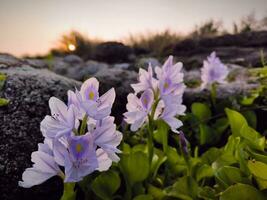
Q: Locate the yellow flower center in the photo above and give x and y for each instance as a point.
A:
(91, 95)
(79, 148)
(166, 85)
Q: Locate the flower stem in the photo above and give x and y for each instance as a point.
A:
(83, 125)
(213, 94)
(69, 193)
(150, 141)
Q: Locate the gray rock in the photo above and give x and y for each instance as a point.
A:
(8, 60)
(28, 90)
(73, 59)
(144, 62)
(120, 79)
(122, 65)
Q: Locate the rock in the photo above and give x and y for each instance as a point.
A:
(28, 90)
(113, 52)
(37, 63)
(8, 60)
(79, 71)
(242, 49)
(120, 79)
(122, 65)
(73, 59)
(144, 62)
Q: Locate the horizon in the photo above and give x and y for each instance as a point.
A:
(28, 30)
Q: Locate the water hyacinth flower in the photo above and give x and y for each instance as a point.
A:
(163, 100)
(146, 80)
(170, 78)
(80, 137)
(138, 109)
(88, 101)
(44, 167)
(213, 71)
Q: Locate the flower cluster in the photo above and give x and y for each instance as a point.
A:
(160, 97)
(213, 71)
(80, 137)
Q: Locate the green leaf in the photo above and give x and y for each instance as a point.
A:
(211, 155)
(143, 197)
(253, 137)
(204, 171)
(134, 166)
(258, 156)
(251, 118)
(227, 176)
(161, 135)
(69, 193)
(157, 193)
(206, 134)
(207, 193)
(201, 111)
(242, 192)
(220, 125)
(4, 102)
(258, 169)
(106, 184)
(236, 120)
(185, 188)
(157, 161)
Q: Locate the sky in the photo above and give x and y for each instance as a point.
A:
(34, 26)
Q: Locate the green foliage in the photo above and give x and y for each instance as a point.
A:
(106, 184)
(225, 158)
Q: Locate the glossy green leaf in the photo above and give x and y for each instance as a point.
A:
(253, 137)
(206, 134)
(134, 166)
(227, 176)
(236, 121)
(157, 193)
(220, 125)
(211, 155)
(158, 159)
(106, 184)
(204, 171)
(242, 192)
(185, 188)
(201, 111)
(258, 169)
(207, 193)
(251, 118)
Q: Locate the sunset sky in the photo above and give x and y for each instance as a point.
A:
(34, 26)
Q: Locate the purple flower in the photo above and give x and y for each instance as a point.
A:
(167, 110)
(61, 121)
(170, 78)
(146, 80)
(107, 138)
(166, 97)
(44, 167)
(138, 109)
(78, 155)
(80, 137)
(213, 70)
(88, 101)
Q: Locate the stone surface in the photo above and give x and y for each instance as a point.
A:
(120, 79)
(243, 49)
(113, 52)
(28, 90)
